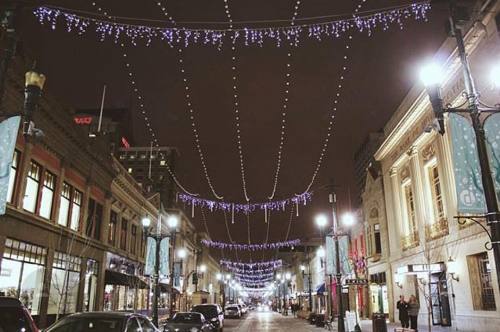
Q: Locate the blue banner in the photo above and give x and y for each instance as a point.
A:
(492, 131)
(331, 260)
(8, 136)
(469, 187)
(150, 257)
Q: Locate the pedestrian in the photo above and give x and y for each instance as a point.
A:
(402, 306)
(413, 308)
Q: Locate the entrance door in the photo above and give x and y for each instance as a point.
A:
(440, 303)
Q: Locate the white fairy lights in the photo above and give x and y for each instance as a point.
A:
(190, 108)
(284, 111)
(236, 104)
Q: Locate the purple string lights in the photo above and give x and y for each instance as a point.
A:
(277, 263)
(104, 28)
(244, 207)
(262, 270)
(250, 247)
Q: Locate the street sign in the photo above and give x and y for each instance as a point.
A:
(356, 282)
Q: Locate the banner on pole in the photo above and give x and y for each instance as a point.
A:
(331, 260)
(164, 256)
(150, 257)
(8, 136)
(468, 183)
(492, 131)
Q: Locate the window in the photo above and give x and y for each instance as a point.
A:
(64, 205)
(123, 234)
(434, 184)
(378, 243)
(90, 289)
(13, 176)
(483, 297)
(22, 272)
(113, 219)
(76, 208)
(133, 325)
(133, 240)
(32, 186)
(409, 208)
(94, 220)
(49, 185)
(64, 282)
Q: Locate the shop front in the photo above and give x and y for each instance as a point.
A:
(378, 292)
(124, 289)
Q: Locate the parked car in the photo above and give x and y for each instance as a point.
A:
(100, 321)
(188, 322)
(243, 308)
(232, 311)
(14, 317)
(213, 313)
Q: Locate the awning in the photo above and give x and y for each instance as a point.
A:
(116, 278)
(321, 289)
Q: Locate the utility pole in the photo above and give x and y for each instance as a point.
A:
(492, 215)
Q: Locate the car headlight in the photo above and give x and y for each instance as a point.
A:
(194, 329)
(214, 319)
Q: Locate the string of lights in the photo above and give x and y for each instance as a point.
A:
(274, 263)
(190, 107)
(250, 247)
(236, 110)
(105, 28)
(140, 101)
(287, 86)
(336, 99)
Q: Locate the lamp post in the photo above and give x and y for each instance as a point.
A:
(431, 77)
(34, 83)
(172, 222)
(220, 279)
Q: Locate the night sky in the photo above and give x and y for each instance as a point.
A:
(381, 71)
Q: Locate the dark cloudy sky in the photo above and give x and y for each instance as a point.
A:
(381, 71)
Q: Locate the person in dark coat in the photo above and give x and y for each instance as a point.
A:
(402, 306)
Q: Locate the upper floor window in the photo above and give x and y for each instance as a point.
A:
(133, 239)
(123, 234)
(113, 220)
(94, 220)
(76, 209)
(377, 240)
(13, 176)
(49, 186)
(70, 207)
(32, 187)
(436, 194)
(64, 205)
(409, 214)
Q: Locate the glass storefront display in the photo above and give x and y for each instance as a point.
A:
(63, 295)
(22, 272)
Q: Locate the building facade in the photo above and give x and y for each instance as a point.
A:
(418, 189)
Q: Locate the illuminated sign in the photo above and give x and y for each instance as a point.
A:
(84, 120)
(125, 143)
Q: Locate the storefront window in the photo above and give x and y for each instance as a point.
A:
(64, 284)
(21, 273)
(89, 293)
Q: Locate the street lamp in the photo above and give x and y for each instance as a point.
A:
(34, 83)
(348, 219)
(474, 108)
(157, 236)
(181, 253)
(321, 221)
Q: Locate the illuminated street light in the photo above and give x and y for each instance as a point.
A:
(321, 220)
(173, 221)
(348, 219)
(181, 253)
(431, 74)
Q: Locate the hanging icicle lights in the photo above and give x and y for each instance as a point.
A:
(288, 71)
(131, 29)
(212, 205)
(189, 106)
(336, 99)
(250, 247)
(264, 270)
(140, 100)
(277, 263)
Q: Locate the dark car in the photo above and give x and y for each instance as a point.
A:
(103, 322)
(188, 322)
(213, 313)
(14, 317)
(232, 311)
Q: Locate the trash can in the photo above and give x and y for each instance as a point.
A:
(378, 323)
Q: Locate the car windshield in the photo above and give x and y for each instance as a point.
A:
(233, 307)
(84, 324)
(187, 318)
(208, 311)
(13, 319)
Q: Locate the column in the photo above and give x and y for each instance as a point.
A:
(101, 282)
(44, 302)
(398, 230)
(85, 206)
(422, 216)
(81, 286)
(446, 172)
(106, 216)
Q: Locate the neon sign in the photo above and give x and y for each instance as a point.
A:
(85, 120)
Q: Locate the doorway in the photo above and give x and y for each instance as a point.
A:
(440, 301)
